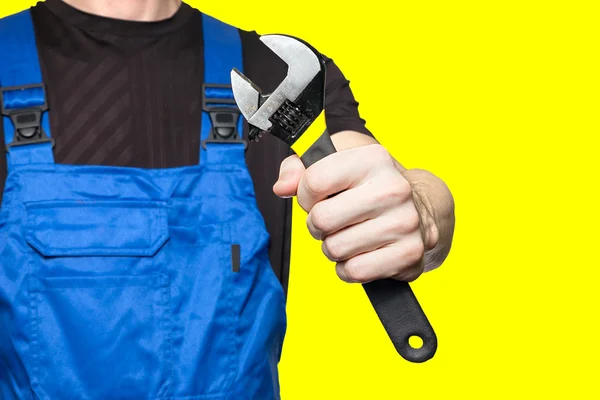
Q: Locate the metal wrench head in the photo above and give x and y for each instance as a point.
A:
(295, 103)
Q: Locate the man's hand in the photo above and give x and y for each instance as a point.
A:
(359, 203)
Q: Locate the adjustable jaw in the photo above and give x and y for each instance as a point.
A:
(298, 100)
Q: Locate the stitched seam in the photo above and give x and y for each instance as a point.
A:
(166, 322)
(232, 314)
(158, 217)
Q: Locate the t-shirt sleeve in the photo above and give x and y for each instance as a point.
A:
(341, 107)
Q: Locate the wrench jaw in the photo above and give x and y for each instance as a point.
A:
(247, 95)
(293, 118)
(288, 111)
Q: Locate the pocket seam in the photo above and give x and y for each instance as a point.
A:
(158, 222)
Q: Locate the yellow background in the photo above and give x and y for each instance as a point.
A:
(499, 99)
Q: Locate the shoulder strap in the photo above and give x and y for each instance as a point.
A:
(222, 125)
(22, 93)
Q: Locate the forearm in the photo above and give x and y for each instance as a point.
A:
(432, 198)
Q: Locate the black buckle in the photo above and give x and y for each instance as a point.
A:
(27, 122)
(224, 116)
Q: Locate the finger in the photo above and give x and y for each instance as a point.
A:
(345, 209)
(360, 204)
(338, 172)
(290, 173)
(371, 235)
(363, 237)
(403, 261)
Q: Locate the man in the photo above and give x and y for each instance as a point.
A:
(124, 83)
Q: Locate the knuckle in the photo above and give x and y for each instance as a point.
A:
(414, 252)
(321, 218)
(333, 248)
(410, 271)
(411, 220)
(380, 153)
(356, 271)
(402, 188)
(312, 229)
(401, 223)
(315, 182)
(396, 193)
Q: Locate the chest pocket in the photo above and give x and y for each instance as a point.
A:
(99, 295)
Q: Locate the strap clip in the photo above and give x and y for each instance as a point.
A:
(27, 121)
(224, 115)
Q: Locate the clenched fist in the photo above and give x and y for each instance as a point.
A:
(363, 208)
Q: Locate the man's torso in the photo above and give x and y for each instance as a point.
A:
(126, 93)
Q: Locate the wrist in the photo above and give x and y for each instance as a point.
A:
(427, 213)
(435, 206)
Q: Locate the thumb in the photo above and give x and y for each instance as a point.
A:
(290, 172)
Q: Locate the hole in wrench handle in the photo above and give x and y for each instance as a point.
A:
(402, 317)
(394, 301)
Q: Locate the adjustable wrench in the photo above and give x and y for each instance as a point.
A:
(287, 113)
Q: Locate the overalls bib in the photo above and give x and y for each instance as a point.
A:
(130, 283)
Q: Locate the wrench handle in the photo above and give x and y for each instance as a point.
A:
(394, 301)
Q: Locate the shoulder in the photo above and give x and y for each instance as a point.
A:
(17, 40)
(252, 46)
(14, 21)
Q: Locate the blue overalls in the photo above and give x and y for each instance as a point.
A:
(130, 283)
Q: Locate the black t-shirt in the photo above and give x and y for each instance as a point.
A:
(125, 93)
